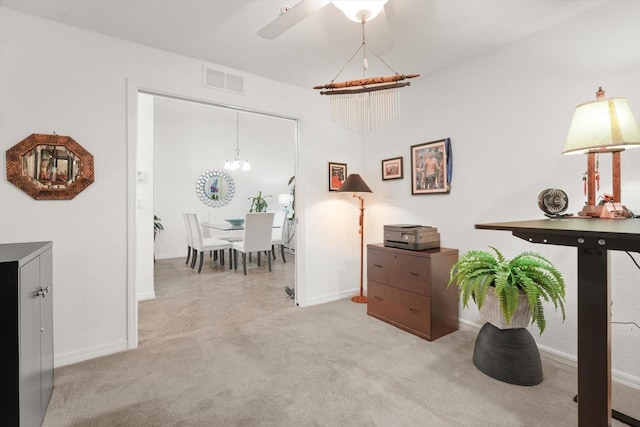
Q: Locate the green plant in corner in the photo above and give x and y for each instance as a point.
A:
(258, 203)
(530, 273)
(292, 192)
(157, 226)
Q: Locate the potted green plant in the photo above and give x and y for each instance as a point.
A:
(509, 295)
(292, 192)
(528, 279)
(157, 226)
(258, 203)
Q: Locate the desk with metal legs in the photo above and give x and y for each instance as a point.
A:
(593, 238)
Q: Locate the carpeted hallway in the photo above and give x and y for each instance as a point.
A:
(224, 349)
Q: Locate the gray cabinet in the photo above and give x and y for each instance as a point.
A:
(26, 316)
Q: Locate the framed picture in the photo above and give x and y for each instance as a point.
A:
(431, 167)
(337, 175)
(392, 168)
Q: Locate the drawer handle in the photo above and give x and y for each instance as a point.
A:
(414, 274)
(377, 265)
(414, 311)
(377, 298)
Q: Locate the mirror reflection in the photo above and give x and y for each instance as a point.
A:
(52, 166)
(49, 167)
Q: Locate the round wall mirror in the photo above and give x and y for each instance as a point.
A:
(215, 188)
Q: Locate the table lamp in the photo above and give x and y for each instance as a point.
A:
(603, 126)
(355, 184)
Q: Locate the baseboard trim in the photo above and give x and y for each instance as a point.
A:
(146, 296)
(89, 353)
(617, 376)
(328, 298)
(567, 359)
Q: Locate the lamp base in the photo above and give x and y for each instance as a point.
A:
(360, 299)
(607, 210)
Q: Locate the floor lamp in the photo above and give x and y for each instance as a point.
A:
(355, 184)
(602, 126)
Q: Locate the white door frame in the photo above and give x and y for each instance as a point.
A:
(133, 89)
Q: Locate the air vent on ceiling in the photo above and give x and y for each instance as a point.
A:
(220, 80)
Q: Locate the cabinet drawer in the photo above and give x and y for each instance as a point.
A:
(408, 272)
(402, 308)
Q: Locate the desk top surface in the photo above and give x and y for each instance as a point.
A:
(618, 228)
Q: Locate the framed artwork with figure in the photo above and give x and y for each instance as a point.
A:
(337, 175)
(431, 167)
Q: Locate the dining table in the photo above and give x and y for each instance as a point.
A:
(224, 226)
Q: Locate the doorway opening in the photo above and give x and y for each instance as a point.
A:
(154, 169)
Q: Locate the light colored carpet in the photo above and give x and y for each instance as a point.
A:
(222, 349)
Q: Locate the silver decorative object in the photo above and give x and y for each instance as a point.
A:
(215, 188)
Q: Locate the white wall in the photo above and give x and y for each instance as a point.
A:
(193, 138)
(144, 199)
(58, 78)
(506, 112)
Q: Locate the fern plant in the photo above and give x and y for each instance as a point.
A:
(476, 271)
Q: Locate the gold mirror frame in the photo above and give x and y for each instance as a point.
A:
(24, 170)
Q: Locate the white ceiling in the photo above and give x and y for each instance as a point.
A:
(412, 36)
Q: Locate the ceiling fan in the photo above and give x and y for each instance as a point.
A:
(360, 11)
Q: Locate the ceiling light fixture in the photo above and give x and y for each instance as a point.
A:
(237, 163)
(358, 10)
(364, 104)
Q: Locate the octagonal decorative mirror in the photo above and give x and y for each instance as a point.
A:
(49, 167)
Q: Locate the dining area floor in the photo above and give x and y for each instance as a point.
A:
(217, 295)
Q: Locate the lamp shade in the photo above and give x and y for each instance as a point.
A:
(284, 199)
(354, 184)
(602, 125)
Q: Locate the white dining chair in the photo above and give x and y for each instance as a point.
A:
(205, 244)
(256, 238)
(278, 233)
(188, 237)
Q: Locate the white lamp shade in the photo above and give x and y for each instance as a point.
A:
(603, 125)
(284, 199)
(354, 9)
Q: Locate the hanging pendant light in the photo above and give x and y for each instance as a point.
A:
(237, 163)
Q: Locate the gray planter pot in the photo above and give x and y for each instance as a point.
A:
(492, 313)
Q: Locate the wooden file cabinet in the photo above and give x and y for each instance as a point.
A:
(408, 289)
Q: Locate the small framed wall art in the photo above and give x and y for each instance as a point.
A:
(337, 175)
(392, 168)
(431, 167)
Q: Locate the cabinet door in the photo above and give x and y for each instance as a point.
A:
(46, 328)
(30, 398)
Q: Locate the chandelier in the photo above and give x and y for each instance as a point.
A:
(237, 163)
(364, 104)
